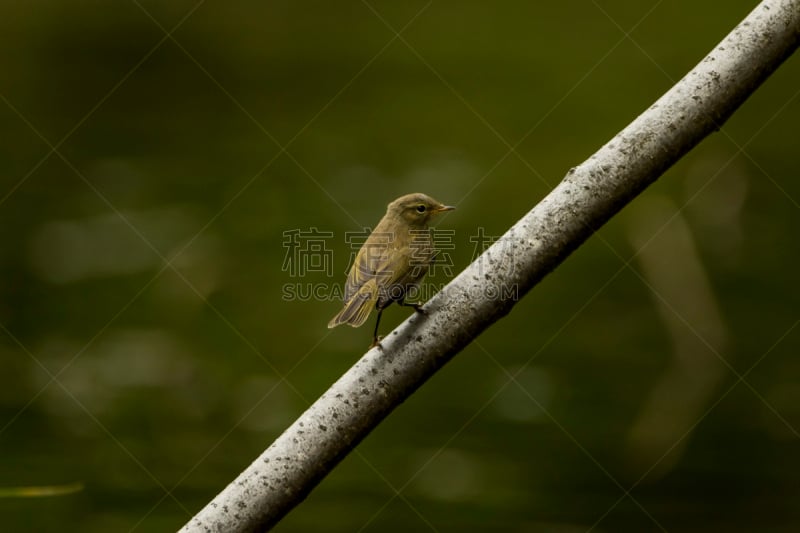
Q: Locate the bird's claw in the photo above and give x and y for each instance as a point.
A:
(376, 343)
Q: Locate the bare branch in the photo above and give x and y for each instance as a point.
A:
(588, 196)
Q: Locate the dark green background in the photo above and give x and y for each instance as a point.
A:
(169, 378)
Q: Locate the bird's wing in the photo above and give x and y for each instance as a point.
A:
(371, 263)
(361, 290)
(389, 262)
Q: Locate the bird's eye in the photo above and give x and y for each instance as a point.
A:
(420, 208)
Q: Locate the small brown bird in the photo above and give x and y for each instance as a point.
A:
(392, 261)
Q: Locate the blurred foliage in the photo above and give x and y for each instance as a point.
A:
(146, 184)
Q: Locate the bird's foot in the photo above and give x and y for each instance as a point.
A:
(376, 343)
(417, 307)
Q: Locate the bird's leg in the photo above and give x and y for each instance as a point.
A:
(376, 341)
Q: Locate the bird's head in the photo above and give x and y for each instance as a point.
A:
(416, 209)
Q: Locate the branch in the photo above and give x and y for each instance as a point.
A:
(486, 290)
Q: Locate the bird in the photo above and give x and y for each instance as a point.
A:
(391, 262)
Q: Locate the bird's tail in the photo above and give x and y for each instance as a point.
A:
(358, 307)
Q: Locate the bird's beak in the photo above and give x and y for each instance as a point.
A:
(445, 208)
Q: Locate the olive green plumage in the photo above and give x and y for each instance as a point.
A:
(392, 261)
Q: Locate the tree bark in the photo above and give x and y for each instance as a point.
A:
(588, 196)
